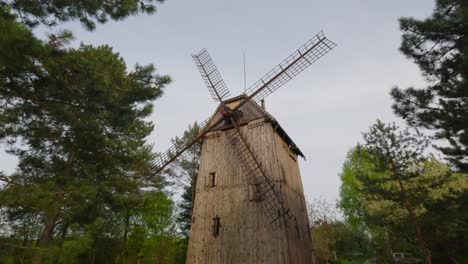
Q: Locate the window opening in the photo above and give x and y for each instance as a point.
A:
(258, 192)
(212, 179)
(216, 225)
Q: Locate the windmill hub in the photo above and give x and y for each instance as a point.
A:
(228, 114)
(225, 111)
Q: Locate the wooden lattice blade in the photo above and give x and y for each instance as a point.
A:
(211, 75)
(184, 143)
(298, 61)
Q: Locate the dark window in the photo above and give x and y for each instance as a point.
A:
(216, 225)
(255, 192)
(212, 179)
(258, 192)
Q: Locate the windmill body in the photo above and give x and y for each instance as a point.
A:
(249, 202)
(229, 223)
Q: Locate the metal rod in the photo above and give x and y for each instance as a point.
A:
(245, 75)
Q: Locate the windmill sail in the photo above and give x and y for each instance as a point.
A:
(299, 60)
(303, 57)
(177, 149)
(211, 75)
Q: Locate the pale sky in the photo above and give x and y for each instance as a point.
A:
(324, 109)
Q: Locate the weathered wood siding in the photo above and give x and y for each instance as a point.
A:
(245, 235)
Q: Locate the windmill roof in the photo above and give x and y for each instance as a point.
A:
(275, 124)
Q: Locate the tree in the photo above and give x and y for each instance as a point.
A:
(371, 202)
(79, 116)
(439, 45)
(186, 168)
(76, 120)
(443, 194)
(154, 226)
(50, 13)
(399, 153)
(322, 216)
(371, 198)
(335, 240)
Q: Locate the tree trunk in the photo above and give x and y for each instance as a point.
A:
(48, 231)
(53, 216)
(124, 253)
(412, 219)
(387, 241)
(45, 238)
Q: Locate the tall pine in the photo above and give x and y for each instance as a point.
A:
(186, 169)
(439, 46)
(398, 153)
(51, 13)
(76, 119)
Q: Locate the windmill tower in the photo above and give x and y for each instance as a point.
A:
(249, 202)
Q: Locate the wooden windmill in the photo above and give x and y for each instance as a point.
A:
(249, 205)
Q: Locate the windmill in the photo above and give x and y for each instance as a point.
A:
(249, 205)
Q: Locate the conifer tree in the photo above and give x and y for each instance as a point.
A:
(76, 120)
(439, 46)
(50, 13)
(186, 168)
(399, 153)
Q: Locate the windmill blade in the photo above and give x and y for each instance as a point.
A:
(183, 144)
(266, 191)
(211, 75)
(298, 61)
(177, 149)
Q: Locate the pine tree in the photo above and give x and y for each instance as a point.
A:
(185, 216)
(439, 45)
(186, 168)
(75, 119)
(398, 153)
(50, 13)
(370, 197)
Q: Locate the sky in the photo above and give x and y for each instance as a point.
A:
(324, 109)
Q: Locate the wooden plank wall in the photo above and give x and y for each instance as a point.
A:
(245, 236)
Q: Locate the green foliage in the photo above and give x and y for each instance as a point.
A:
(333, 240)
(50, 13)
(76, 107)
(152, 231)
(358, 162)
(439, 45)
(186, 168)
(389, 181)
(76, 119)
(74, 247)
(157, 214)
(370, 198)
(185, 216)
